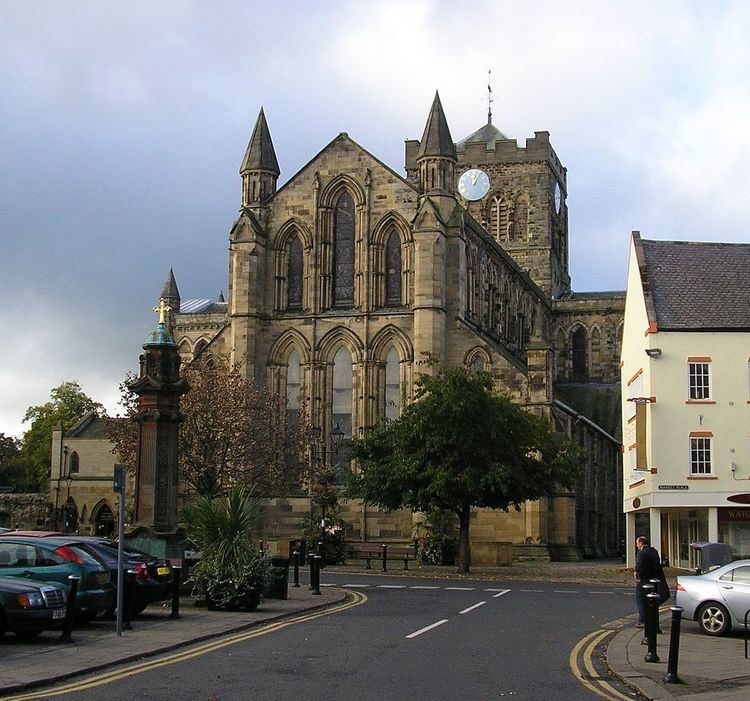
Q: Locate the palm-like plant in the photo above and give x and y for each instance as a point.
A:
(232, 573)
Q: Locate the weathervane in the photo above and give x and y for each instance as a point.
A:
(489, 97)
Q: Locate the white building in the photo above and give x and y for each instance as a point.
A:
(686, 397)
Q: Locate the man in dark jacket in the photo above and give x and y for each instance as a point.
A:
(648, 567)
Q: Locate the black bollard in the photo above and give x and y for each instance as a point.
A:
(647, 589)
(176, 581)
(311, 563)
(128, 600)
(70, 609)
(295, 560)
(652, 619)
(385, 557)
(674, 646)
(316, 567)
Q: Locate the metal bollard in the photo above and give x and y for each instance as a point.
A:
(311, 563)
(176, 581)
(128, 600)
(674, 646)
(295, 561)
(260, 545)
(385, 557)
(648, 589)
(70, 609)
(652, 626)
(317, 560)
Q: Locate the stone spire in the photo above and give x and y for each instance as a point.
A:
(436, 156)
(170, 294)
(259, 169)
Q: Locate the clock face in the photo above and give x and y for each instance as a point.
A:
(558, 198)
(474, 184)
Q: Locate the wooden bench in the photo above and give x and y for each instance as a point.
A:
(381, 551)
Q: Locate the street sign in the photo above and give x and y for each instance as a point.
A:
(118, 479)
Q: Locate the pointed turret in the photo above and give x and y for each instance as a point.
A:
(259, 169)
(170, 294)
(437, 153)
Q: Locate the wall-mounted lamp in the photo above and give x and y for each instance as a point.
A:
(653, 352)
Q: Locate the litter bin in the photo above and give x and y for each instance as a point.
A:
(279, 588)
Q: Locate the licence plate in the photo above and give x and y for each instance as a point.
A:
(162, 570)
(58, 613)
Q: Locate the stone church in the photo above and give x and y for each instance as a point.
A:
(346, 278)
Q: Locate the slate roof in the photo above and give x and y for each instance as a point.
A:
(202, 306)
(260, 154)
(698, 286)
(488, 134)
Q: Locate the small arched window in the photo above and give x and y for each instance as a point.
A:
(343, 251)
(295, 273)
(580, 354)
(477, 362)
(393, 267)
(74, 463)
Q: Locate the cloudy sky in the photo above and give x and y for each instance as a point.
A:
(123, 125)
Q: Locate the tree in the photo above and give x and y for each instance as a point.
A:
(67, 404)
(461, 444)
(14, 470)
(233, 432)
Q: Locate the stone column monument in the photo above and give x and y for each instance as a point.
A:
(159, 387)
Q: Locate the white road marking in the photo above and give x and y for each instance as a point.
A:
(500, 593)
(361, 586)
(327, 585)
(426, 628)
(497, 590)
(391, 586)
(608, 593)
(471, 608)
(459, 589)
(564, 591)
(417, 586)
(535, 591)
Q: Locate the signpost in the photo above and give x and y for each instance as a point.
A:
(118, 486)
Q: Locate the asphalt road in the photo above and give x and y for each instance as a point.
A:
(411, 639)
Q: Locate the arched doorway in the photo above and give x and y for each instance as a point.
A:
(70, 516)
(104, 523)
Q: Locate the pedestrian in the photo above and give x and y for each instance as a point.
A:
(648, 567)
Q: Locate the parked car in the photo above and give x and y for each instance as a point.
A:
(718, 599)
(27, 608)
(48, 560)
(153, 575)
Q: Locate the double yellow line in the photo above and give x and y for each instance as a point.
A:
(592, 681)
(139, 668)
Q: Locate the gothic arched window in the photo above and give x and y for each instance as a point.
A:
(393, 267)
(392, 385)
(293, 385)
(498, 219)
(343, 252)
(74, 466)
(580, 354)
(295, 274)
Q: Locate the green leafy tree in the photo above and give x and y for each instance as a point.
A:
(14, 470)
(461, 444)
(67, 404)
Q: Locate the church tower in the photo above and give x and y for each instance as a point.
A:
(260, 169)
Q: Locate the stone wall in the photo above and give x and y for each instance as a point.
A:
(25, 511)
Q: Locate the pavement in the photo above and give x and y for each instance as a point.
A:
(709, 668)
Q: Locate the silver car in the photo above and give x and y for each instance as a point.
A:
(718, 599)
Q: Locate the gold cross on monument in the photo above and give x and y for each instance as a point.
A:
(162, 310)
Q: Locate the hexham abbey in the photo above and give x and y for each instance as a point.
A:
(346, 278)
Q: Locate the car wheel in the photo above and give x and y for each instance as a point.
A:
(713, 619)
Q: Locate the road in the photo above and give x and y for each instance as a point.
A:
(407, 639)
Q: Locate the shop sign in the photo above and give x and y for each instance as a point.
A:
(734, 514)
(739, 498)
(636, 503)
(674, 486)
